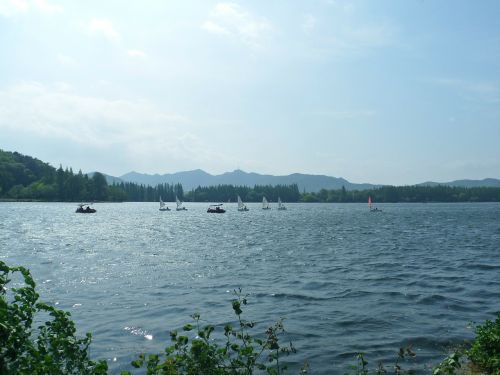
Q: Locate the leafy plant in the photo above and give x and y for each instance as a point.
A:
(361, 366)
(237, 353)
(449, 365)
(53, 347)
(485, 350)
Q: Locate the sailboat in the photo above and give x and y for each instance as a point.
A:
(241, 205)
(265, 204)
(180, 207)
(372, 209)
(281, 206)
(163, 206)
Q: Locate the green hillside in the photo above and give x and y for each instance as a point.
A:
(24, 177)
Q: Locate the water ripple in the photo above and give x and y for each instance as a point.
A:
(346, 281)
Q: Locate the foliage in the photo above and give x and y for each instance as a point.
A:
(141, 193)
(406, 194)
(51, 348)
(485, 350)
(225, 193)
(237, 353)
(449, 365)
(404, 355)
(483, 356)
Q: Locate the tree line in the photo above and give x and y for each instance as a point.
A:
(25, 178)
(401, 194)
(229, 193)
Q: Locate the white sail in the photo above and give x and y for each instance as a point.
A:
(163, 206)
(180, 207)
(241, 205)
(265, 204)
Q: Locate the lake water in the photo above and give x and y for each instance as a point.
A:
(346, 280)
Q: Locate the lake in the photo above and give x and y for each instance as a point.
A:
(344, 279)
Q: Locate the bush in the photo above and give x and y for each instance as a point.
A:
(240, 354)
(53, 347)
(485, 350)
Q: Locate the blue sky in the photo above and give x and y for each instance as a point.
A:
(393, 92)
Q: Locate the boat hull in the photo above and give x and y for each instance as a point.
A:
(82, 211)
(219, 211)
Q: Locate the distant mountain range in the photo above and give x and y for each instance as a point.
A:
(307, 182)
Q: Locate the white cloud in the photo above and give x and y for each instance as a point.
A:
(231, 19)
(66, 60)
(214, 28)
(57, 114)
(309, 23)
(103, 27)
(9, 8)
(136, 53)
(46, 7)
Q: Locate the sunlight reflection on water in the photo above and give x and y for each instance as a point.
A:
(346, 280)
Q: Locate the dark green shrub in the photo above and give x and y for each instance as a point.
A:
(51, 348)
(485, 350)
(449, 365)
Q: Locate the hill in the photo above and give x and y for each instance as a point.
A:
(198, 177)
(21, 170)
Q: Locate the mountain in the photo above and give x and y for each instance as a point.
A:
(307, 182)
(109, 179)
(193, 179)
(487, 182)
(188, 179)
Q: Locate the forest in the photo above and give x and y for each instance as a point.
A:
(25, 178)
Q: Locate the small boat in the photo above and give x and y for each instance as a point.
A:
(265, 204)
(84, 208)
(372, 209)
(281, 206)
(241, 205)
(216, 209)
(180, 207)
(163, 206)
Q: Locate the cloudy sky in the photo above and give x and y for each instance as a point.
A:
(373, 91)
